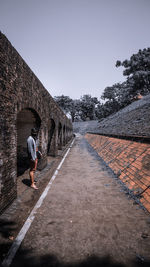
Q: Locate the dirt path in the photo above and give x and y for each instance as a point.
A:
(87, 219)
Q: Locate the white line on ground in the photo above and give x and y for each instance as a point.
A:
(17, 242)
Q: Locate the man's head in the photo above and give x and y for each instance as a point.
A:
(33, 132)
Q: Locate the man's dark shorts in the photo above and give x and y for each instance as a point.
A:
(33, 165)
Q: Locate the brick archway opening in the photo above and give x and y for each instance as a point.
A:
(64, 135)
(26, 120)
(51, 131)
(59, 136)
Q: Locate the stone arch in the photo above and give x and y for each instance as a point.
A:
(67, 133)
(60, 135)
(70, 133)
(51, 131)
(64, 135)
(26, 119)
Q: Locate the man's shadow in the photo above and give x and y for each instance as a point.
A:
(22, 165)
(26, 182)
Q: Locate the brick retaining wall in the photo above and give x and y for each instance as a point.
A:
(129, 160)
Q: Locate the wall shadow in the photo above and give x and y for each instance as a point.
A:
(22, 165)
(23, 259)
(6, 231)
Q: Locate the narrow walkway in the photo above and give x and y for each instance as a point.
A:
(87, 219)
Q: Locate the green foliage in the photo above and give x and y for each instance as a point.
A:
(137, 70)
(119, 95)
(64, 102)
(67, 105)
(78, 109)
(87, 107)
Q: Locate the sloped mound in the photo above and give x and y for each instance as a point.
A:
(132, 120)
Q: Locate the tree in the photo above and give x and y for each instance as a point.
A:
(64, 102)
(68, 105)
(87, 107)
(118, 95)
(75, 109)
(137, 70)
(83, 108)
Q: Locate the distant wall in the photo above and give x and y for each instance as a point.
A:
(24, 103)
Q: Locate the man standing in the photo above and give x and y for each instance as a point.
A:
(32, 149)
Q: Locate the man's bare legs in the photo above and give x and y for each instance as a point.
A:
(33, 166)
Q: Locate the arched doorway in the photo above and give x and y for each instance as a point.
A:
(26, 120)
(59, 136)
(64, 135)
(50, 136)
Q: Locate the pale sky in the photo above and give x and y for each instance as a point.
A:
(72, 45)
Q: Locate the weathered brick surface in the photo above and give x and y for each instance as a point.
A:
(24, 103)
(129, 160)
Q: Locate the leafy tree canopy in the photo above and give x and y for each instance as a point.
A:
(64, 102)
(87, 106)
(137, 70)
(83, 108)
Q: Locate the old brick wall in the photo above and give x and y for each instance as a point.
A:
(130, 161)
(20, 93)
